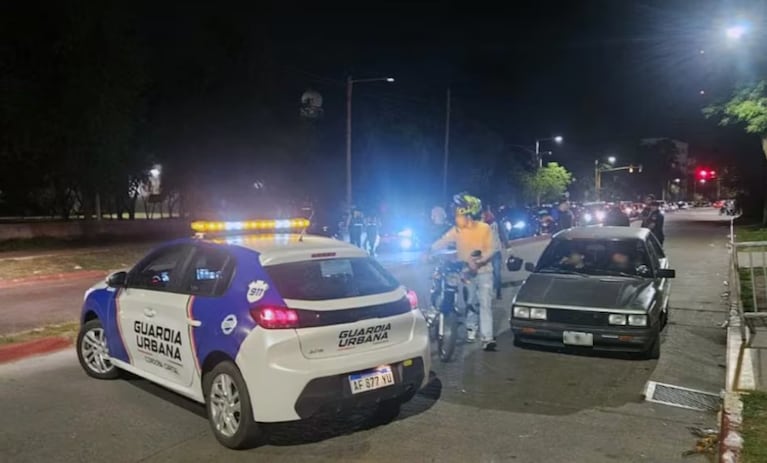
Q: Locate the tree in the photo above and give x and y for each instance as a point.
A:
(748, 105)
(547, 183)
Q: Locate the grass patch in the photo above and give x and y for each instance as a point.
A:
(754, 427)
(106, 259)
(750, 233)
(68, 330)
(746, 288)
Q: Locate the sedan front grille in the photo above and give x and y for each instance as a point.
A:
(577, 317)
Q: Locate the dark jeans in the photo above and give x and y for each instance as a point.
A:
(497, 262)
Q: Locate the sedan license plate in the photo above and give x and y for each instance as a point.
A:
(370, 380)
(576, 338)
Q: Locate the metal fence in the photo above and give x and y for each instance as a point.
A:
(748, 285)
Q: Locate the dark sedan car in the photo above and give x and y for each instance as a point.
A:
(602, 288)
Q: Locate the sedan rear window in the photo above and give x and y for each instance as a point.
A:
(323, 279)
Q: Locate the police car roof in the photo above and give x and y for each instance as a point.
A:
(290, 247)
(603, 233)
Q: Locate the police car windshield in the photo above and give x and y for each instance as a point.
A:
(318, 280)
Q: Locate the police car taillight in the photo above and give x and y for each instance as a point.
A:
(275, 318)
(412, 298)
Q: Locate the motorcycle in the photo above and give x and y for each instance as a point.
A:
(449, 304)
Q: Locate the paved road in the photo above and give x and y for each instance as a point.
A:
(511, 405)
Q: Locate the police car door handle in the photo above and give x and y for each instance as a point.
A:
(149, 312)
(194, 323)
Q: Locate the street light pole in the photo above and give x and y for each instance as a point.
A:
(349, 85)
(538, 154)
(447, 146)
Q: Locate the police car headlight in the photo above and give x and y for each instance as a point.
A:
(537, 314)
(638, 320)
(617, 319)
(521, 312)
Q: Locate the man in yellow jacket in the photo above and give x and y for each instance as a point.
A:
(471, 235)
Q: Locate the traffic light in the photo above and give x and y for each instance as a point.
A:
(705, 174)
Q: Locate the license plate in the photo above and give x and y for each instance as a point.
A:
(370, 380)
(576, 338)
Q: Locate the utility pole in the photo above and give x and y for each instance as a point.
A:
(349, 84)
(447, 146)
(597, 179)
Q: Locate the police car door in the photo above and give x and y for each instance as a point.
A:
(152, 314)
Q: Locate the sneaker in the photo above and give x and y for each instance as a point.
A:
(488, 345)
(471, 335)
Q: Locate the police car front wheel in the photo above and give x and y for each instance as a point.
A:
(92, 351)
(229, 409)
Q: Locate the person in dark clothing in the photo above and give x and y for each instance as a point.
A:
(617, 218)
(654, 221)
(371, 234)
(356, 224)
(565, 218)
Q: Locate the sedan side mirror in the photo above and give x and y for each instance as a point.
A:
(117, 279)
(514, 264)
(529, 266)
(666, 273)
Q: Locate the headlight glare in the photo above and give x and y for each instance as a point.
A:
(617, 319)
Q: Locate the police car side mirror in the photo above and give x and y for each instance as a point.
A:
(117, 279)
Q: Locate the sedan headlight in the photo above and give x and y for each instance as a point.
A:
(617, 319)
(638, 320)
(521, 312)
(538, 314)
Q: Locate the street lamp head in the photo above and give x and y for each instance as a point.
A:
(611, 159)
(558, 139)
(735, 32)
(390, 79)
(677, 180)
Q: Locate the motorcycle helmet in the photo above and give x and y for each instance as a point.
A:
(466, 204)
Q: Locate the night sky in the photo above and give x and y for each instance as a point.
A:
(226, 80)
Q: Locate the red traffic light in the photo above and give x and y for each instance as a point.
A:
(705, 173)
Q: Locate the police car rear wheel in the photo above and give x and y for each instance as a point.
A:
(229, 410)
(93, 353)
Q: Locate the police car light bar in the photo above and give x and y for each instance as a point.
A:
(204, 226)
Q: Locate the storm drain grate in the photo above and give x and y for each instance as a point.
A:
(681, 397)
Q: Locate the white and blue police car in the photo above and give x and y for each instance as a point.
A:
(259, 327)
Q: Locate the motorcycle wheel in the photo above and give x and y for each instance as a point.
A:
(447, 341)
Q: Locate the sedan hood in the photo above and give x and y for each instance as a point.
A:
(593, 291)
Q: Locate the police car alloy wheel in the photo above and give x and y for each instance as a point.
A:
(229, 409)
(92, 351)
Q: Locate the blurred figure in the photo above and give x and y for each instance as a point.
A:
(372, 225)
(574, 260)
(564, 216)
(438, 216)
(616, 218)
(654, 221)
(498, 246)
(356, 224)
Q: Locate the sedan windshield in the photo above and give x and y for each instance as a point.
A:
(626, 257)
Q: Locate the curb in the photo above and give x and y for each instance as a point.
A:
(20, 350)
(14, 282)
(730, 440)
